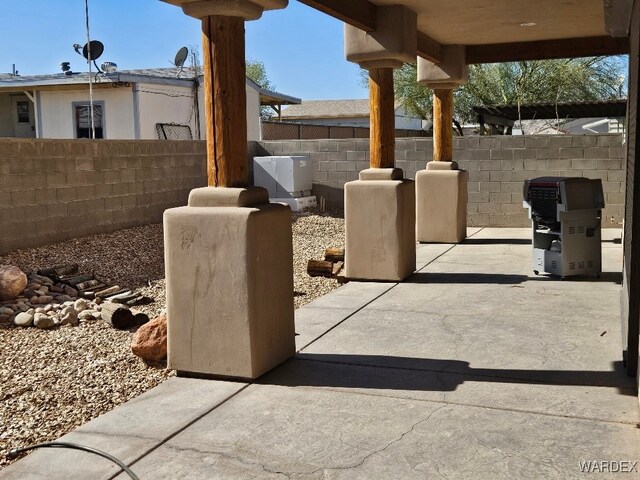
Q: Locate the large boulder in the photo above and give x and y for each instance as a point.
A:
(150, 341)
(12, 282)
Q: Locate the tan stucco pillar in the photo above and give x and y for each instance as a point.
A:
(441, 189)
(228, 254)
(380, 206)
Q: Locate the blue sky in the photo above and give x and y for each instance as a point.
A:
(301, 48)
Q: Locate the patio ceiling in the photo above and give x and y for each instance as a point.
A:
(501, 30)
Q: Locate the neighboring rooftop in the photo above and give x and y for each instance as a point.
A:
(164, 76)
(329, 109)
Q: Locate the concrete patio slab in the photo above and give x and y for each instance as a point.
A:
(284, 432)
(129, 432)
(473, 368)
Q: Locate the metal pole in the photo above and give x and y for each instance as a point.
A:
(86, 16)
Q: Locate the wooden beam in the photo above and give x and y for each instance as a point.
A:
(547, 49)
(225, 101)
(617, 17)
(443, 125)
(382, 133)
(358, 13)
(429, 49)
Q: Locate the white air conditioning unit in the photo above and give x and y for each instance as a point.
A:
(284, 177)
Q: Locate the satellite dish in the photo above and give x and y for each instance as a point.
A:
(181, 57)
(96, 50)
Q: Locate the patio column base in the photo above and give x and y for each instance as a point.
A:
(380, 226)
(441, 203)
(229, 274)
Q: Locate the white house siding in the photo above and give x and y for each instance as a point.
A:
(254, 129)
(164, 104)
(57, 111)
(403, 122)
(406, 122)
(347, 122)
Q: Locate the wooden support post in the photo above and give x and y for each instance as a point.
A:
(382, 118)
(225, 101)
(443, 125)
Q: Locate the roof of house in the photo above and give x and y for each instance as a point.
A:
(163, 76)
(328, 109)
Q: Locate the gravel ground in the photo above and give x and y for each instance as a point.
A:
(52, 381)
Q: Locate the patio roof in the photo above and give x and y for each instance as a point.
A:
(542, 111)
(503, 30)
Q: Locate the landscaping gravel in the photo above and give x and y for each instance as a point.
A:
(52, 381)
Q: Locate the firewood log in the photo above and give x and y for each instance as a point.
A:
(320, 268)
(334, 255)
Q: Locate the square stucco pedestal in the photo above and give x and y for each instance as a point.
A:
(229, 273)
(380, 229)
(441, 203)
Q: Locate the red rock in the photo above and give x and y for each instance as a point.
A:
(12, 282)
(150, 341)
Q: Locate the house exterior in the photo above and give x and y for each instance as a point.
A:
(129, 104)
(350, 113)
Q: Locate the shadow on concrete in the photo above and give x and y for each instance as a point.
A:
(605, 277)
(506, 279)
(496, 241)
(466, 278)
(427, 374)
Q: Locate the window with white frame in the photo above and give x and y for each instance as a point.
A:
(82, 118)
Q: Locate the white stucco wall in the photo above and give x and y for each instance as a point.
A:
(254, 127)
(57, 111)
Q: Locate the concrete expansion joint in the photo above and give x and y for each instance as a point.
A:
(182, 429)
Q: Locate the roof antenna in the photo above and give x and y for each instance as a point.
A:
(180, 58)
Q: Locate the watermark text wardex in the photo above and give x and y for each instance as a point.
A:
(608, 466)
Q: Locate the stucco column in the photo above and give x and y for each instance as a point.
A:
(229, 253)
(380, 206)
(441, 189)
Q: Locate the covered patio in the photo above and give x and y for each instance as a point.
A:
(445, 360)
(471, 368)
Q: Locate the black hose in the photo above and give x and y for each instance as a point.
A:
(74, 446)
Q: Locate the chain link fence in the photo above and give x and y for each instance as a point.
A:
(173, 131)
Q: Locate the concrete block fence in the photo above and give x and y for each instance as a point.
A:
(55, 190)
(497, 166)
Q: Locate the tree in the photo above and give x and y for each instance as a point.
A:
(517, 83)
(257, 72)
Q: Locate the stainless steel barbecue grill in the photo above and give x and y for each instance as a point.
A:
(566, 218)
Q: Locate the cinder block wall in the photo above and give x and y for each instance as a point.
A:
(55, 190)
(497, 167)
